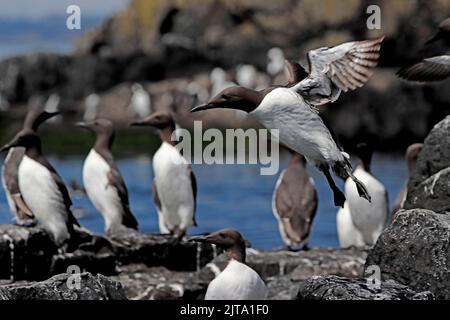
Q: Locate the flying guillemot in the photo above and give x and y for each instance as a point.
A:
(174, 183)
(294, 203)
(237, 281)
(42, 189)
(103, 182)
(291, 108)
(23, 215)
(434, 68)
(360, 222)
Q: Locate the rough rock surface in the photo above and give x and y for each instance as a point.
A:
(415, 250)
(30, 254)
(61, 287)
(429, 173)
(338, 288)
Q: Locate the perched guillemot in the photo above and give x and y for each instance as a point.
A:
(361, 222)
(237, 281)
(42, 189)
(174, 184)
(411, 158)
(290, 108)
(294, 203)
(140, 103)
(23, 215)
(433, 68)
(103, 182)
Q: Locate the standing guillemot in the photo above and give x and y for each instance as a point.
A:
(433, 68)
(237, 281)
(23, 215)
(294, 203)
(360, 220)
(103, 182)
(411, 158)
(174, 184)
(43, 190)
(290, 108)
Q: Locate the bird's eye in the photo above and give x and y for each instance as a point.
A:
(226, 97)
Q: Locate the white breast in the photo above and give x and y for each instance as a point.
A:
(368, 217)
(237, 282)
(42, 196)
(173, 183)
(300, 127)
(103, 196)
(348, 234)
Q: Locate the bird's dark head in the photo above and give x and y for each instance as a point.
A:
(228, 239)
(159, 120)
(364, 152)
(239, 98)
(26, 138)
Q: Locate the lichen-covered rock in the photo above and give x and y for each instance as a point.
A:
(339, 288)
(61, 287)
(415, 250)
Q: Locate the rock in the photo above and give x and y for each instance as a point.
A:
(428, 186)
(304, 264)
(161, 250)
(339, 288)
(415, 250)
(158, 283)
(432, 193)
(90, 287)
(25, 253)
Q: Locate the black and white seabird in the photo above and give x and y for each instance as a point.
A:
(237, 281)
(412, 152)
(103, 182)
(294, 203)
(23, 215)
(360, 223)
(290, 108)
(174, 183)
(433, 68)
(42, 189)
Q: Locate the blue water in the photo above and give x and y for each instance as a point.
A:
(233, 196)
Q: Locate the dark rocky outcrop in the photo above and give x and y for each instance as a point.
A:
(338, 288)
(429, 187)
(415, 250)
(62, 287)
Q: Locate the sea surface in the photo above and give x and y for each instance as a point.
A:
(229, 196)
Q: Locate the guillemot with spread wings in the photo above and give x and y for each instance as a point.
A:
(292, 108)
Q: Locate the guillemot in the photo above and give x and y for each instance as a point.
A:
(434, 68)
(294, 203)
(361, 222)
(237, 281)
(23, 215)
(412, 152)
(174, 184)
(103, 182)
(291, 108)
(42, 189)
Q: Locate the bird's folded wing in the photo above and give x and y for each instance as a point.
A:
(430, 69)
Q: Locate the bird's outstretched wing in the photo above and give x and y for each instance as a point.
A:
(430, 69)
(344, 67)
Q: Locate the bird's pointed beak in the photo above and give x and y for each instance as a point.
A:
(82, 124)
(200, 238)
(6, 147)
(138, 123)
(202, 107)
